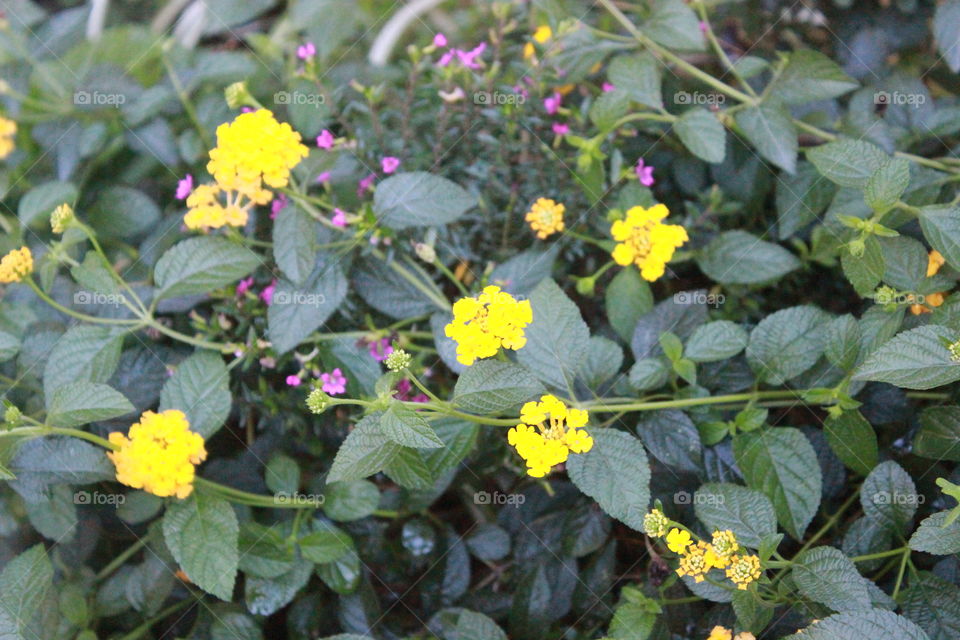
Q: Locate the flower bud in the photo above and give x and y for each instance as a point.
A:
(61, 218)
(398, 360)
(318, 401)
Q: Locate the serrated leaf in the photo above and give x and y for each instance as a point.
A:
(810, 76)
(889, 496)
(420, 199)
(746, 512)
(738, 257)
(406, 427)
(297, 310)
(325, 545)
(884, 188)
(843, 342)
(770, 129)
(199, 265)
(557, 337)
(936, 537)
(84, 352)
(366, 451)
(848, 163)
(24, 584)
(825, 575)
(939, 435)
(915, 359)
(857, 625)
(615, 473)
(84, 402)
(295, 243)
(854, 441)
(715, 341)
(203, 534)
(200, 387)
(702, 134)
(638, 76)
(36, 204)
(941, 228)
(492, 386)
(934, 604)
(347, 501)
(865, 272)
(786, 343)
(673, 24)
(628, 297)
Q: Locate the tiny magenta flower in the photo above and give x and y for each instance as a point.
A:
(306, 51)
(390, 164)
(439, 40)
(244, 286)
(561, 128)
(552, 103)
(608, 87)
(334, 382)
(267, 294)
(323, 177)
(380, 349)
(365, 183)
(644, 173)
(339, 218)
(293, 381)
(277, 205)
(325, 140)
(184, 187)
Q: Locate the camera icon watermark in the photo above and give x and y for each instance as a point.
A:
(699, 297)
(84, 298)
(316, 100)
(885, 295)
(498, 98)
(699, 98)
(286, 497)
(299, 298)
(98, 498)
(899, 98)
(98, 99)
(685, 497)
(512, 499)
(897, 498)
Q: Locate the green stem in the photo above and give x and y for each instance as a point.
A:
(903, 567)
(145, 627)
(881, 554)
(450, 276)
(119, 561)
(76, 314)
(184, 98)
(600, 406)
(182, 337)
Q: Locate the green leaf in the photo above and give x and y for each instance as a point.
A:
(889, 497)
(934, 604)
(702, 134)
(746, 512)
(492, 386)
(935, 536)
(266, 596)
(476, 626)
(628, 298)
(295, 242)
(786, 343)
(387, 291)
(884, 188)
(753, 613)
(603, 362)
(366, 451)
(782, 464)
(325, 545)
(202, 533)
(84, 402)
(716, 341)
(853, 440)
(406, 427)
(638, 76)
(672, 438)
(608, 108)
(199, 265)
(420, 199)
(810, 76)
(848, 163)
(43, 462)
(615, 473)
(123, 212)
(347, 501)
(648, 373)
(915, 359)
(36, 205)
(24, 584)
(263, 551)
(282, 475)
(770, 129)
(857, 625)
(557, 337)
(296, 311)
(84, 352)
(738, 257)
(939, 435)
(865, 272)
(946, 31)
(200, 387)
(843, 342)
(673, 24)
(801, 198)
(825, 575)
(941, 228)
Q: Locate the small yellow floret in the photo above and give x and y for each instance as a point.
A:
(743, 570)
(549, 432)
(720, 633)
(16, 265)
(546, 217)
(645, 241)
(483, 324)
(8, 130)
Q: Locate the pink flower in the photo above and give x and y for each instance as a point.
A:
(469, 58)
(608, 87)
(552, 104)
(278, 203)
(439, 40)
(644, 173)
(339, 218)
(403, 389)
(389, 164)
(243, 286)
(184, 187)
(334, 382)
(293, 381)
(365, 183)
(325, 140)
(306, 50)
(267, 294)
(323, 178)
(703, 27)
(246, 109)
(561, 129)
(446, 58)
(380, 349)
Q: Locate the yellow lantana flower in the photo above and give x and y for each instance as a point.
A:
(546, 217)
(935, 260)
(483, 324)
(548, 433)
(720, 633)
(213, 208)
(743, 570)
(696, 561)
(16, 265)
(724, 545)
(540, 36)
(678, 540)
(158, 454)
(645, 241)
(8, 130)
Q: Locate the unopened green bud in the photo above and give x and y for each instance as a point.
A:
(61, 218)
(398, 360)
(237, 95)
(12, 416)
(318, 401)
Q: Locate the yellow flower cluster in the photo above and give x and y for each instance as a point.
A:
(16, 265)
(483, 324)
(645, 241)
(546, 217)
(698, 558)
(548, 433)
(8, 130)
(158, 454)
(722, 633)
(541, 35)
(935, 260)
(253, 154)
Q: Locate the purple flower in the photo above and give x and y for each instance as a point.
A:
(608, 87)
(339, 218)
(389, 164)
(325, 140)
(469, 58)
(334, 382)
(446, 58)
(380, 349)
(184, 187)
(439, 40)
(324, 177)
(365, 183)
(644, 173)
(552, 103)
(293, 381)
(561, 129)
(267, 294)
(306, 50)
(278, 203)
(243, 286)
(403, 388)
